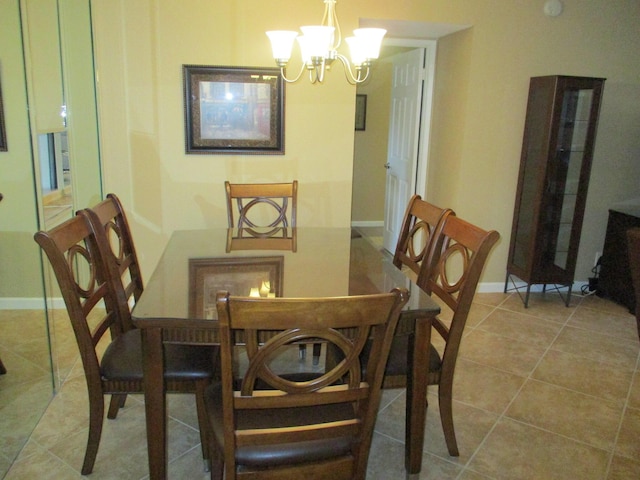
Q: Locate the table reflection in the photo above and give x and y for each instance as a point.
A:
(277, 238)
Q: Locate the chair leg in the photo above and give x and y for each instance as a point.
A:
(216, 457)
(217, 465)
(445, 395)
(203, 423)
(96, 418)
(302, 351)
(317, 348)
(116, 403)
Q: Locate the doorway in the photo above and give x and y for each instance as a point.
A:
(373, 192)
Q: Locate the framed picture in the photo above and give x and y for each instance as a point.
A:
(3, 132)
(243, 276)
(232, 110)
(361, 111)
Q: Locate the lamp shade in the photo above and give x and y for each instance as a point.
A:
(357, 50)
(282, 43)
(369, 40)
(319, 40)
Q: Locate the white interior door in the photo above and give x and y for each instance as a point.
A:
(404, 139)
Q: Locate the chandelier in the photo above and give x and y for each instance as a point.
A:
(319, 48)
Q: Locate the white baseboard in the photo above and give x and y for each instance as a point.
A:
(17, 303)
(368, 223)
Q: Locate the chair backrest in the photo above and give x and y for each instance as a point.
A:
(76, 255)
(633, 247)
(262, 200)
(420, 229)
(453, 273)
(266, 326)
(109, 217)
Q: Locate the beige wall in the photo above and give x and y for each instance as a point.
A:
(478, 122)
(141, 47)
(370, 148)
(482, 77)
(481, 84)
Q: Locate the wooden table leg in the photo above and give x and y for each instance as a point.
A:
(155, 402)
(417, 396)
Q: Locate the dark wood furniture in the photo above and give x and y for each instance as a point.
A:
(259, 205)
(614, 280)
(329, 262)
(555, 164)
(111, 217)
(450, 272)
(92, 290)
(421, 222)
(280, 199)
(633, 237)
(268, 422)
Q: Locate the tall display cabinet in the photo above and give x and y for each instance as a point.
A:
(555, 164)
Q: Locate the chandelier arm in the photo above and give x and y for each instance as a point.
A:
(366, 75)
(351, 78)
(284, 76)
(330, 18)
(320, 70)
(316, 72)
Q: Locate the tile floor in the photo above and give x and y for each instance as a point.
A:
(548, 392)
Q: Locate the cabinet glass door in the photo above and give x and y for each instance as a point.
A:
(571, 142)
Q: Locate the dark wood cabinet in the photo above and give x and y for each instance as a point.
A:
(615, 277)
(555, 164)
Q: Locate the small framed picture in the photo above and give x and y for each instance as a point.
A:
(242, 276)
(231, 110)
(361, 111)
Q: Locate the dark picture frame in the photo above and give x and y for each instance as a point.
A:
(239, 275)
(233, 110)
(3, 133)
(361, 111)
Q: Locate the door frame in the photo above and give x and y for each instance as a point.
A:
(422, 162)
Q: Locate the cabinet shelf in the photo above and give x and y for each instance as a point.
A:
(555, 163)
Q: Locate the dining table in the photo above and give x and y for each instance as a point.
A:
(290, 262)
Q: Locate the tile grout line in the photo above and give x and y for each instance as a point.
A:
(502, 415)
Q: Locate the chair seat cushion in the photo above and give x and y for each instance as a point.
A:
(397, 363)
(122, 360)
(265, 456)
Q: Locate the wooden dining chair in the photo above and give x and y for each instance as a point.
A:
(92, 290)
(274, 206)
(421, 221)
(109, 216)
(269, 423)
(633, 250)
(262, 204)
(451, 273)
